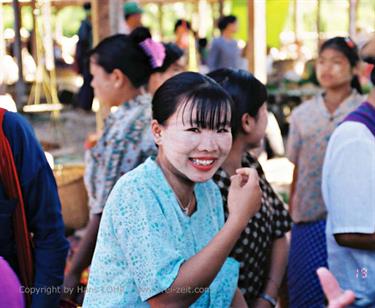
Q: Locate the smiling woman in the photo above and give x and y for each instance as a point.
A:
(162, 230)
(192, 129)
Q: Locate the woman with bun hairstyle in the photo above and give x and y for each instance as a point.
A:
(262, 249)
(121, 65)
(162, 240)
(173, 64)
(311, 125)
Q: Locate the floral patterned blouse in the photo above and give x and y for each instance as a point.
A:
(144, 238)
(126, 142)
(311, 126)
(253, 249)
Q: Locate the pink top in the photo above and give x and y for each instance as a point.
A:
(10, 288)
(311, 126)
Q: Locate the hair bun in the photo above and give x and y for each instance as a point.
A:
(140, 34)
(155, 51)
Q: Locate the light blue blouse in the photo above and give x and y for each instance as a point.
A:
(144, 237)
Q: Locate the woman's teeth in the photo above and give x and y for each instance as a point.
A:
(202, 162)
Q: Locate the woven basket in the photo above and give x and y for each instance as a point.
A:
(73, 195)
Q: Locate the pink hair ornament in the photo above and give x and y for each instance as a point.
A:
(155, 51)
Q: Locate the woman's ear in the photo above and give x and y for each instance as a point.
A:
(156, 130)
(356, 70)
(119, 78)
(247, 123)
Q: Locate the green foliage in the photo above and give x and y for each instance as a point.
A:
(277, 13)
(70, 19)
(8, 16)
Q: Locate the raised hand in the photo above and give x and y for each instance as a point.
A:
(331, 288)
(244, 197)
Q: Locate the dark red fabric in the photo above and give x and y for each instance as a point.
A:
(9, 178)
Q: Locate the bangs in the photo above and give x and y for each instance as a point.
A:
(209, 108)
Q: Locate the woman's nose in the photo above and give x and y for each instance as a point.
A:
(208, 142)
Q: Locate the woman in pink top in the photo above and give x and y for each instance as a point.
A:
(311, 126)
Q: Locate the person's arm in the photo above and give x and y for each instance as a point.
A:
(238, 300)
(356, 240)
(348, 182)
(279, 259)
(294, 143)
(98, 187)
(50, 244)
(293, 189)
(331, 288)
(43, 211)
(201, 269)
(82, 258)
(99, 181)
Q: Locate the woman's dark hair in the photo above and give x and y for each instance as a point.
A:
(182, 22)
(172, 54)
(87, 6)
(193, 91)
(371, 60)
(225, 21)
(123, 52)
(247, 92)
(347, 47)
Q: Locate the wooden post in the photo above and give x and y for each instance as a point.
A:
(221, 8)
(160, 15)
(2, 39)
(250, 35)
(318, 28)
(20, 85)
(213, 10)
(2, 47)
(203, 21)
(33, 36)
(353, 4)
(296, 20)
(100, 14)
(115, 15)
(100, 20)
(256, 44)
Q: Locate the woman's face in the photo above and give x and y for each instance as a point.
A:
(333, 69)
(103, 84)
(174, 69)
(191, 152)
(158, 78)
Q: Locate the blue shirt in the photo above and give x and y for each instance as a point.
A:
(144, 237)
(43, 212)
(224, 53)
(348, 187)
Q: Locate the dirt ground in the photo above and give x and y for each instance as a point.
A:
(64, 137)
